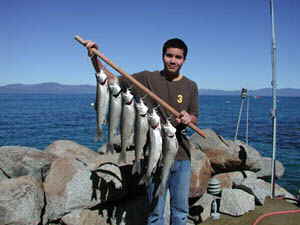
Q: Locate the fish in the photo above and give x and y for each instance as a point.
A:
(170, 149)
(102, 102)
(115, 112)
(141, 131)
(127, 123)
(155, 146)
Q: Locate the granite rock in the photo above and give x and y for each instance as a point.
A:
(71, 185)
(236, 202)
(21, 201)
(18, 161)
(266, 168)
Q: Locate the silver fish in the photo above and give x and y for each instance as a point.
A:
(155, 148)
(115, 112)
(102, 102)
(141, 130)
(127, 123)
(170, 149)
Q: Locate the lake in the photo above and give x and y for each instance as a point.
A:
(36, 120)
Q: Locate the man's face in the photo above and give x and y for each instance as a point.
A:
(173, 60)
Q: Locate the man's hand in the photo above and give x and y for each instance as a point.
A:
(90, 45)
(97, 63)
(185, 118)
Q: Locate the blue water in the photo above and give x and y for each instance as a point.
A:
(37, 120)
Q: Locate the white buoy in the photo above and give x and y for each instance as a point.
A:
(214, 186)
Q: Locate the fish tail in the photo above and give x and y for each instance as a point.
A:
(110, 148)
(136, 168)
(145, 180)
(160, 190)
(99, 133)
(123, 157)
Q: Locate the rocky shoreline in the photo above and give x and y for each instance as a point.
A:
(70, 184)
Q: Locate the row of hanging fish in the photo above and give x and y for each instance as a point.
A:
(131, 118)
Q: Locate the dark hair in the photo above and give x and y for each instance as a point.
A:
(175, 43)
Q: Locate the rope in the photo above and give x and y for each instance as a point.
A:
(244, 97)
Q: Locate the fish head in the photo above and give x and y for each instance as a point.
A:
(101, 77)
(127, 96)
(142, 109)
(154, 119)
(114, 86)
(169, 129)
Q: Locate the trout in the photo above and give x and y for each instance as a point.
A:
(127, 123)
(102, 102)
(141, 131)
(155, 148)
(170, 148)
(115, 111)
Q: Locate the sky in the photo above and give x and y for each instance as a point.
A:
(229, 40)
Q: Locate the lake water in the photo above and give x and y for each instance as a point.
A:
(36, 120)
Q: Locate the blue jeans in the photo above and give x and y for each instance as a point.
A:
(179, 187)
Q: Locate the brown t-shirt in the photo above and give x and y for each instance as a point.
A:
(181, 95)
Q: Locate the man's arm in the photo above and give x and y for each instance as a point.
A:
(96, 62)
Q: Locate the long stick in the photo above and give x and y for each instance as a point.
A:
(139, 85)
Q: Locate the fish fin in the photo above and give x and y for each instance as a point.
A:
(110, 148)
(144, 180)
(123, 157)
(136, 168)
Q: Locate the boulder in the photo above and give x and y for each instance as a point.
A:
(72, 150)
(225, 180)
(231, 179)
(132, 211)
(71, 185)
(3, 175)
(266, 169)
(226, 155)
(18, 161)
(211, 140)
(221, 160)
(279, 191)
(249, 156)
(201, 172)
(236, 202)
(256, 188)
(84, 217)
(21, 201)
(201, 209)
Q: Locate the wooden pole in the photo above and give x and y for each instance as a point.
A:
(139, 85)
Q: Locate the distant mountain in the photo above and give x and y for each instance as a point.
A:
(56, 88)
(290, 92)
(47, 88)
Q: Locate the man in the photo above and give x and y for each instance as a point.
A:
(182, 94)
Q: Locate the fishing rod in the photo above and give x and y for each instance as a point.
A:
(139, 85)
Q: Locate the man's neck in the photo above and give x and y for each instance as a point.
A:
(172, 76)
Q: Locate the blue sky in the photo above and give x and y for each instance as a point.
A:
(229, 40)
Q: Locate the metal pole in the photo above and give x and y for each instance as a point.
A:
(274, 110)
(247, 125)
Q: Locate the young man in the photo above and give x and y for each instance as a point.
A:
(182, 94)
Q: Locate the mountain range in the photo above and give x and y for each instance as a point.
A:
(56, 88)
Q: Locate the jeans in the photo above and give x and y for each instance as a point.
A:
(179, 186)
